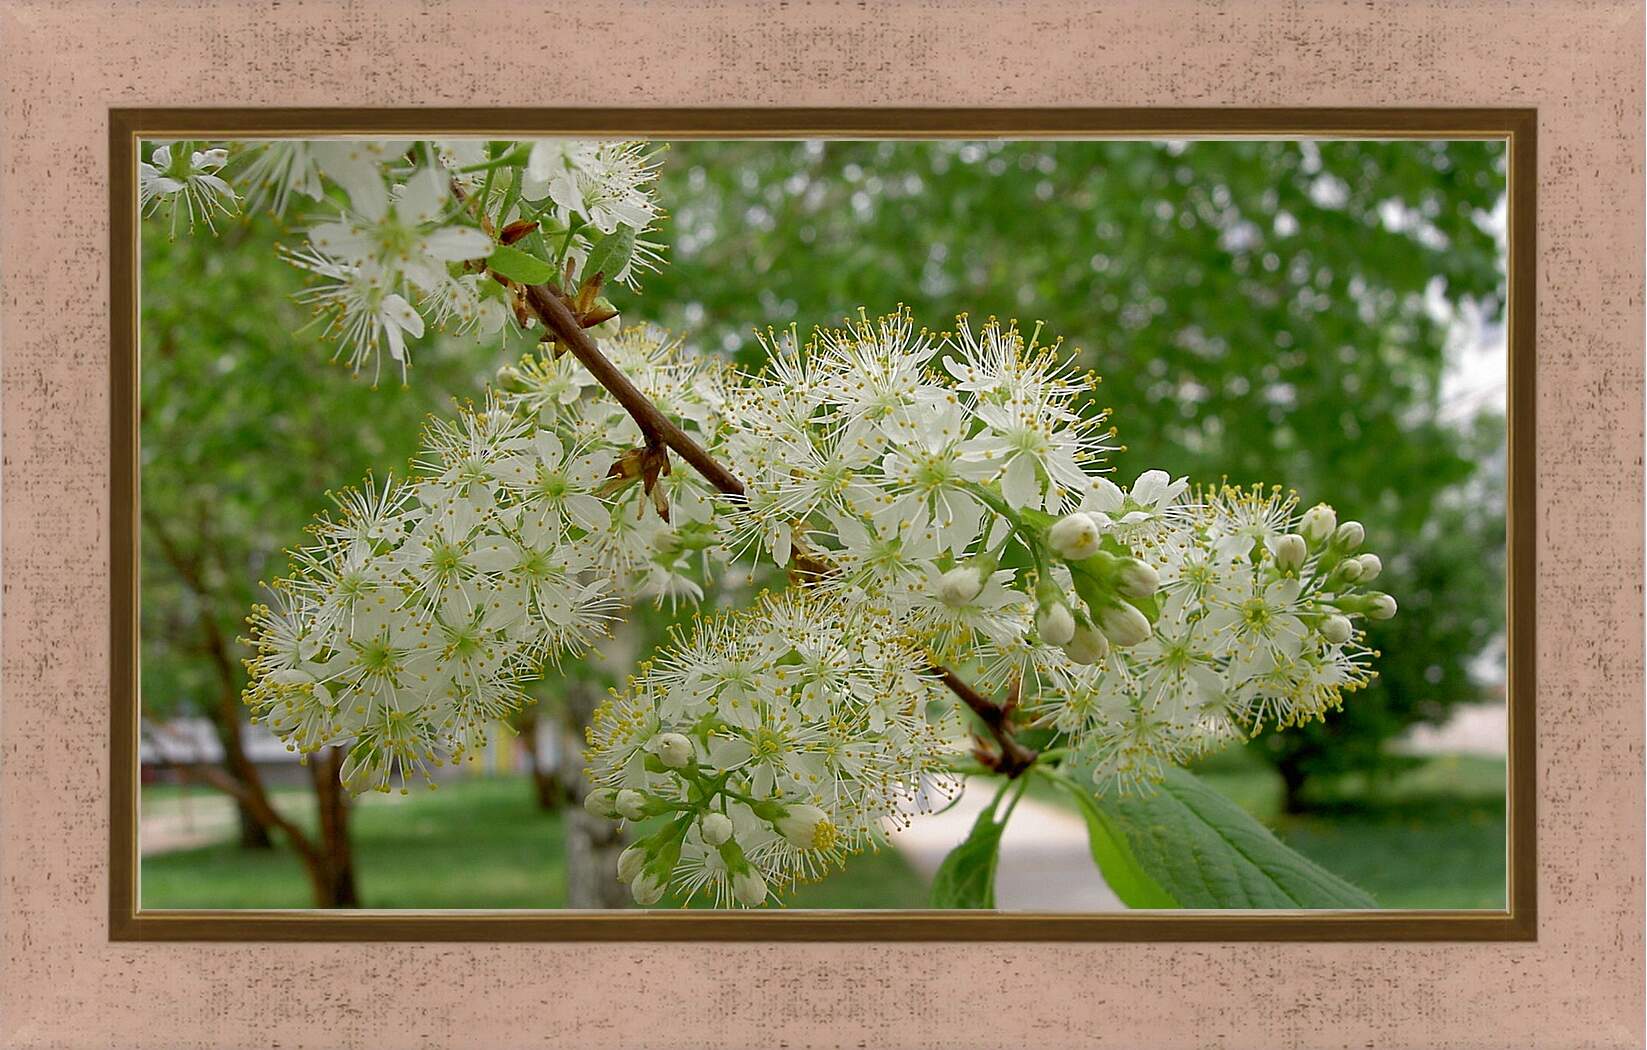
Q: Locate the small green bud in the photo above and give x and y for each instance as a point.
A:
(1349, 535)
(1336, 629)
(631, 804)
(1074, 537)
(1124, 624)
(748, 888)
(647, 888)
(1290, 551)
(716, 828)
(631, 861)
(1318, 523)
(1088, 646)
(1137, 579)
(674, 750)
(602, 802)
(1055, 623)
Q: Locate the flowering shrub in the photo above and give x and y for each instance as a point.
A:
(969, 593)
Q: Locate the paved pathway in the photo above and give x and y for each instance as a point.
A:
(1045, 864)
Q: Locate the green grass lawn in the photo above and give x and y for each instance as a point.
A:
(1429, 837)
(478, 843)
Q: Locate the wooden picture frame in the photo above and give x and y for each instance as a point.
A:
(1518, 127)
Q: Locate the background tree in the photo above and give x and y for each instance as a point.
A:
(1256, 309)
(245, 427)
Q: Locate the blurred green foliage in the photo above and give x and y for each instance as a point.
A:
(1257, 311)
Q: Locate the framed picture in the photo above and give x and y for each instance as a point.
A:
(901, 636)
(879, 525)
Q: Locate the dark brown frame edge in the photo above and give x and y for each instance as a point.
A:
(1517, 923)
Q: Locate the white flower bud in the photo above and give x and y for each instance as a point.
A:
(673, 749)
(1318, 523)
(602, 802)
(716, 828)
(1074, 537)
(1056, 623)
(647, 889)
(748, 888)
(807, 827)
(959, 586)
(1350, 569)
(1371, 566)
(1088, 646)
(1349, 535)
(630, 804)
(508, 374)
(1383, 606)
(1124, 624)
(1290, 551)
(1336, 629)
(1137, 579)
(630, 863)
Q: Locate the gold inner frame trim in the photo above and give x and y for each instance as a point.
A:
(127, 922)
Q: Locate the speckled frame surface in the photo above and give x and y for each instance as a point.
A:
(66, 983)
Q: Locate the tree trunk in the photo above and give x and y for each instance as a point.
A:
(546, 786)
(592, 843)
(336, 871)
(254, 830)
(1293, 779)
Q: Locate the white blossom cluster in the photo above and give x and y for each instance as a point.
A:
(955, 480)
(1255, 626)
(768, 746)
(402, 253)
(414, 617)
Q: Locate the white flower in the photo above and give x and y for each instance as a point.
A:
(188, 183)
(606, 183)
(365, 315)
(807, 827)
(278, 170)
(402, 233)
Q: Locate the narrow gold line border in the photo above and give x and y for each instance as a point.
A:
(1518, 127)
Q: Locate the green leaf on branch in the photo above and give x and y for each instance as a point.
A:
(966, 878)
(1204, 851)
(610, 254)
(519, 266)
(1114, 857)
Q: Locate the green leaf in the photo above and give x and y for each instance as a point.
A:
(1114, 857)
(1204, 851)
(519, 266)
(966, 878)
(610, 254)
